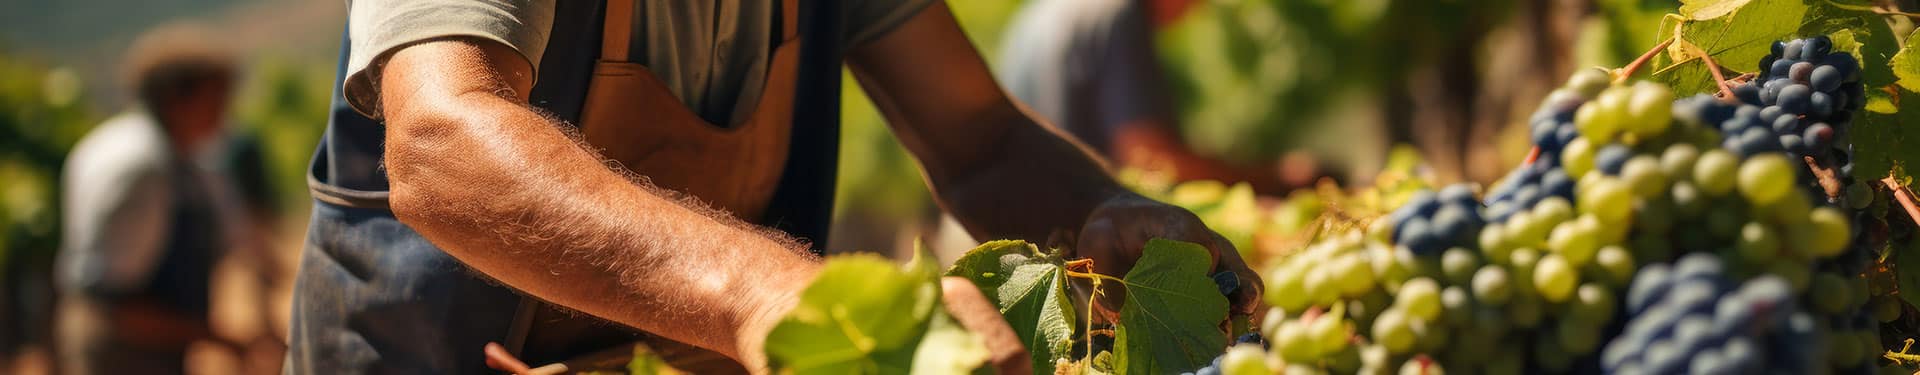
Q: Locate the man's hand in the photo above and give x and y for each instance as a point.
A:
(998, 170)
(981, 317)
(1119, 228)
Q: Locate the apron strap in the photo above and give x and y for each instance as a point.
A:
(789, 20)
(616, 34)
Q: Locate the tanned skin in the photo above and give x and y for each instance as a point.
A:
(511, 194)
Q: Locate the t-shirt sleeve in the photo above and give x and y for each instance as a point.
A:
(117, 217)
(869, 19)
(376, 28)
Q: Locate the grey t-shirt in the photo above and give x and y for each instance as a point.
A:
(711, 54)
(1088, 66)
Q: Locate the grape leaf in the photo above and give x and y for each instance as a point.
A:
(1906, 63)
(864, 315)
(1031, 290)
(1737, 33)
(1171, 320)
(1906, 254)
(1710, 8)
(1883, 135)
(948, 348)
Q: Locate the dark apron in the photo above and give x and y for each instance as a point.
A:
(180, 281)
(373, 296)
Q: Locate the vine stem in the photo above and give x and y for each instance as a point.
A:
(1719, 80)
(1829, 181)
(1902, 357)
(1905, 197)
(1620, 76)
(1870, 8)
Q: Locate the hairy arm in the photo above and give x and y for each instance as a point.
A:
(974, 143)
(509, 193)
(1004, 174)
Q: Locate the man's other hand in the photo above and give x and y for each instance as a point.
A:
(1119, 228)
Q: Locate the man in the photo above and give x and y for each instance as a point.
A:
(649, 218)
(143, 223)
(1090, 66)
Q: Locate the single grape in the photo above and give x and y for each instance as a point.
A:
(1493, 242)
(1800, 71)
(1525, 230)
(1757, 242)
(1420, 298)
(1329, 333)
(1592, 304)
(1588, 82)
(1577, 157)
(1826, 78)
(1885, 308)
(1816, 47)
(1244, 359)
(1553, 210)
(1820, 105)
(1643, 175)
(1764, 179)
(1554, 279)
(1677, 161)
(1458, 265)
(1320, 287)
(1688, 203)
(1295, 341)
(1794, 98)
(1392, 330)
(1715, 172)
(1286, 289)
(1458, 305)
(1649, 110)
(1831, 232)
(1649, 286)
(1610, 200)
(1615, 266)
(1421, 366)
(1491, 285)
(1611, 158)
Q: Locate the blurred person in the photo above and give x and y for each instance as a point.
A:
(1090, 66)
(626, 169)
(144, 223)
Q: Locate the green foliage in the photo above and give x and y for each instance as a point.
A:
(41, 116)
(1906, 64)
(1620, 31)
(1169, 323)
(1246, 75)
(1031, 290)
(864, 315)
(877, 176)
(285, 104)
(1171, 320)
(1737, 33)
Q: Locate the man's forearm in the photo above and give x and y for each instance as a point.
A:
(1059, 181)
(506, 192)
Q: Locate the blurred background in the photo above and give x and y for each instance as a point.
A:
(1302, 89)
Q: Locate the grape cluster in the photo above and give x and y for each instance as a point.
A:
(1646, 235)
(1690, 318)
(1807, 93)
(1430, 222)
